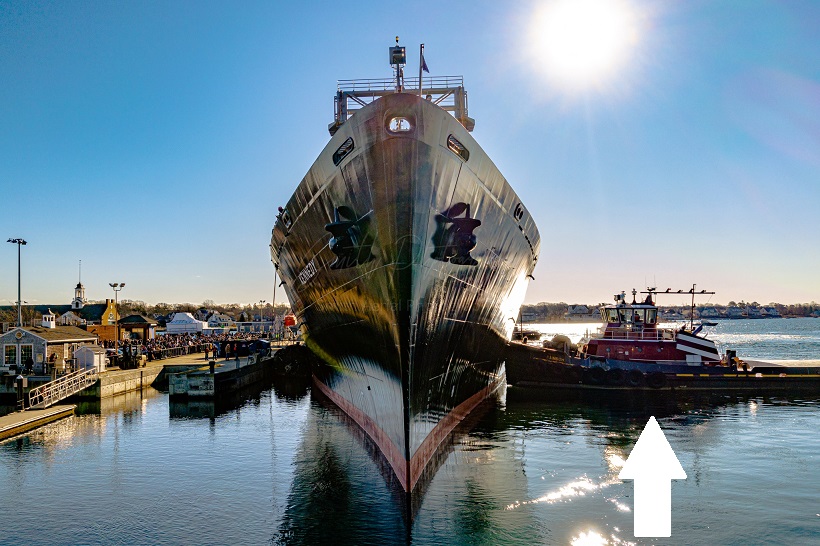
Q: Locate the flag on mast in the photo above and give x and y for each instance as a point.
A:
(424, 64)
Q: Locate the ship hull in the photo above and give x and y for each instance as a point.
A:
(406, 260)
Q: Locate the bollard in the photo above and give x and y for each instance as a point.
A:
(211, 365)
(22, 383)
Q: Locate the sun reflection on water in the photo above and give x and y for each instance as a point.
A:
(593, 538)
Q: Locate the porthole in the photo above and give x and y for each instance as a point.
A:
(458, 148)
(343, 150)
(399, 125)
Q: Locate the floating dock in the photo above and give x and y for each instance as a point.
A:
(24, 421)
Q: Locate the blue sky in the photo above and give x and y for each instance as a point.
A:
(154, 141)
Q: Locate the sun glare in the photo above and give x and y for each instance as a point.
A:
(583, 43)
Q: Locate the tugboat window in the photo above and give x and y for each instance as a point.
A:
(458, 148)
(399, 125)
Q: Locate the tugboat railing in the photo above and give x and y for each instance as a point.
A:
(52, 392)
(633, 334)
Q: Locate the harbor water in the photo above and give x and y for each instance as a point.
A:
(282, 467)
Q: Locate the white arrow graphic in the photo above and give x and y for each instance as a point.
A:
(653, 465)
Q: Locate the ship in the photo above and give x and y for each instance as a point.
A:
(405, 255)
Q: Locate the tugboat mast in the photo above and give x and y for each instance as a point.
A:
(692, 291)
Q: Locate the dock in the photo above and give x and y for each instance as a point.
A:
(219, 378)
(24, 421)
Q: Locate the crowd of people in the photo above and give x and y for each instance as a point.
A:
(169, 345)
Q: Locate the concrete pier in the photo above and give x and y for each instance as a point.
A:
(24, 421)
(219, 378)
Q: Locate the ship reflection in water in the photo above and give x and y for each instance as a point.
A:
(282, 467)
(535, 472)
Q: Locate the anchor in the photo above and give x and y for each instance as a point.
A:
(454, 238)
(350, 241)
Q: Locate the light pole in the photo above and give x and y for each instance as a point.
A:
(19, 242)
(261, 316)
(117, 287)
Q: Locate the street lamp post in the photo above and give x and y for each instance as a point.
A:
(19, 242)
(117, 287)
(261, 316)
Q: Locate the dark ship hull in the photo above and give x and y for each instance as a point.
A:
(406, 256)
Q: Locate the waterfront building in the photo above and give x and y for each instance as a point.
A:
(138, 327)
(42, 348)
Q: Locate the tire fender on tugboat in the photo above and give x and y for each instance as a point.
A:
(634, 378)
(656, 380)
(615, 376)
(595, 375)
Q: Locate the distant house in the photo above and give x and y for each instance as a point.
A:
(752, 312)
(709, 312)
(219, 320)
(203, 314)
(70, 318)
(671, 314)
(734, 312)
(582, 313)
(770, 312)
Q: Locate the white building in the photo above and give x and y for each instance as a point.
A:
(90, 356)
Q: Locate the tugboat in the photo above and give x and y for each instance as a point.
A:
(632, 351)
(631, 333)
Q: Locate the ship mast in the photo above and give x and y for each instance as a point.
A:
(446, 92)
(398, 58)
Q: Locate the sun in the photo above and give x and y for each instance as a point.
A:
(583, 43)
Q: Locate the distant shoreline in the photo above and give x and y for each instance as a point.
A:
(716, 319)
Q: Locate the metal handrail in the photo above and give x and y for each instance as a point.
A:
(631, 334)
(390, 84)
(52, 392)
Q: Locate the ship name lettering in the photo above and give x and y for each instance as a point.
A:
(518, 213)
(308, 272)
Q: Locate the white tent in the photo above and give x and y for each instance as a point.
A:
(184, 323)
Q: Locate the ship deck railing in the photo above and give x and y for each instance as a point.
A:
(447, 92)
(410, 84)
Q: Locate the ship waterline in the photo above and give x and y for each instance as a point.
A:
(406, 255)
